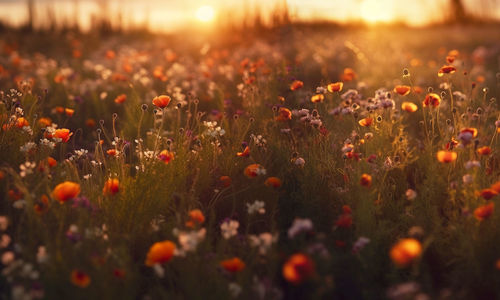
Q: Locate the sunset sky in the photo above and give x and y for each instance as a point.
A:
(166, 15)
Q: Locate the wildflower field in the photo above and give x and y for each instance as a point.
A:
(300, 162)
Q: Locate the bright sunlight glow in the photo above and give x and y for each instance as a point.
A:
(373, 11)
(205, 13)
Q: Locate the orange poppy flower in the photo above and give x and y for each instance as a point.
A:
(90, 123)
(348, 75)
(110, 54)
(225, 181)
(366, 122)
(66, 191)
(161, 101)
(446, 156)
(245, 153)
(344, 220)
(488, 193)
(253, 170)
(69, 112)
(64, 134)
(44, 122)
(21, 122)
(335, 87)
(297, 84)
(51, 162)
(446, 70)
(454, 53)
(274, 182)
(166, 156)
(284, 114)
(160, 252)
(432, 99)
(233, 265)
(409, 107)
(418, 90)
(120, 98)
(111, 187)
(484, 212)
(80, 278)
(346, 209)
(195, 217)
(403, 90)
(366, 180)
(298, 268)
(317, 98)
(405, 251)
(484, 150)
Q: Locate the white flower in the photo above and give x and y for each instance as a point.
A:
(263, 241)
(299, 225)
(472, 164)
(159, 270)
(4, 222)
(360, 244)
(467, 178)
(229, 228)
(234, 289)
(26, 168)
(189, 240)
(300, 162)
(27, 147)
(41, 255)
(257, 206)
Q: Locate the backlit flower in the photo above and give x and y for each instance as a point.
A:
(298, 268)
(254, 170)
(405, 252)
(64, 134)
(297, 84)
(402, 90)
(446, 70)
(225, 181)
(166, 156)
(317, 98)
(409, 106)
(484, 150)
(348, 75)
(233, 265)
(66, 191)
(446, 156)
(245, 153)
(274, 182)
(80, 278)
(484, 212)
(160, 252)
(432, 99)
(196, 217)
(120, 98)
(161, 101)
(111, 187)
(366, 180)
(488, 193)
(366, 122)
(284, 114)
(335, 87)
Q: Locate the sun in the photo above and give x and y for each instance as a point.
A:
(373, 11)
(205, 13)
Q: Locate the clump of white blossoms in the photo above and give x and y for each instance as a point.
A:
(298, 226)
(256, 207)
(213, 130)
(229, 228)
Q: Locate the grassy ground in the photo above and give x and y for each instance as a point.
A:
(258, 179)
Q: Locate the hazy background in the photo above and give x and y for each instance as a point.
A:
(169, 15)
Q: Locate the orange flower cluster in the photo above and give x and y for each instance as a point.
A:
(196, 217)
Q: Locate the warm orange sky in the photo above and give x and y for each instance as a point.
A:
(167, 15)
